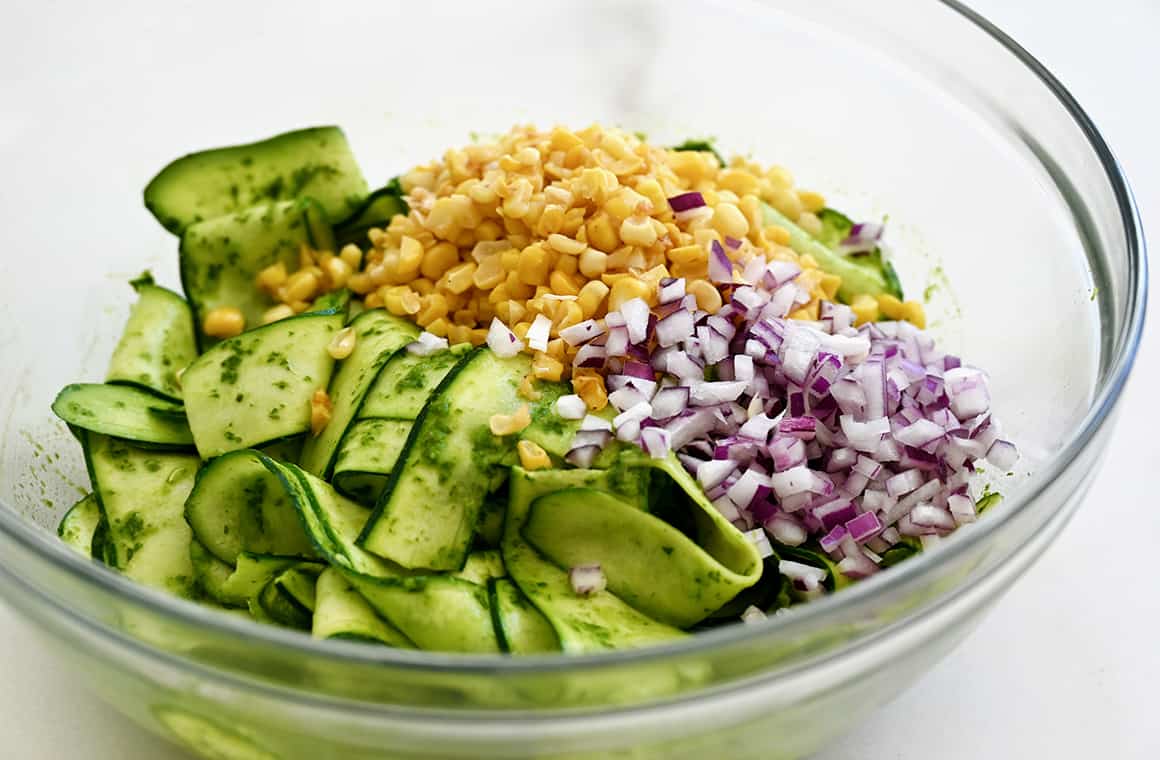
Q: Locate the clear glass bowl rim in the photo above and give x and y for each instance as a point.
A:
(1115, 376)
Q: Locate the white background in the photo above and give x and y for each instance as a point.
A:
(1068, 664)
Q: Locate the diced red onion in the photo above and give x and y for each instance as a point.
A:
(538, 334)
(571, 407)
(720, 267)
(1003, 454)
(587, 580)
(581, 332)
(808, 575)
(502, 341)
(686, 201)
(427, 344)
(656, 441)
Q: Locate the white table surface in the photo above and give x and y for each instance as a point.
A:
(1067, 665)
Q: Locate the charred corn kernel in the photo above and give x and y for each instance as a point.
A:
(272, 277)
(707, 295)
(352, 255)
(320, 411)
(563, 284)
(810, 222)
(625, 289)
(458, 278)
(301, 286)
(890, 306)
(564, 244)
(546, 367)
(811, 201)
(601, 234)
(528, 389)
(373, 300)
(431, 307)
(401, 300)
(638, 230)
(593, 263)
(274, 313)
(829, 285)
(224, 322)
(591, 298)
(729, 221)
(342, 344)
(913, 312)
(510, 424)
(865, 307)
(590, 387)
(336, 272)
(533, 266)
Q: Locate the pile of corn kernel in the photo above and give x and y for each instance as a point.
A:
(568, 224)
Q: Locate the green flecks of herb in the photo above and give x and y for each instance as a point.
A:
(273, 189)
(232, 437)
(230, 365)
(987, 500)
(704, 145)
(1095, 292)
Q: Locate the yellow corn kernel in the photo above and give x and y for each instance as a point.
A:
(272, 277)
(890, 306)
(562, 284)
(574, 224)
(510, 312)
(829, 285)
(810, 223)
(498, 294)
(625, 289)
(488, 230)
(352, 255)
(601, 234)
(569, 265)
(458, 278)
(510, 424)
(410, 258)
(707, 295)
(595, 184)
(688, 254)
(360, 283)
(737, 181)
(489, 273)
(551, 221)
(299, 306)
(377, 237)
(729, 221)
(458, 333)
(478, 336)
(913, 312)
(431, 307)
(518, 201)
(565, 244)
(336, 272)
(302, 286)
(786, 201)
(533, 265)
(438, 260)
(528, 390)
(569, 313)
(521, 329)
(342, 344)
(651, 190)
(224, 322)
(373, 300)
(400, 300)
(590, 387)
(593, 263)
(320, 411)
(777, 234)
(591, 297)
(545, 367)
(422, 286)
(865, 307)
(557, 348)
(439, 327)
(274, 313)
(638, 230)
(811, 201)
(807, 313)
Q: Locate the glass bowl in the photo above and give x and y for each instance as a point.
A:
(1006, 209)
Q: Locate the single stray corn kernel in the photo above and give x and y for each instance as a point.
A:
(224, 322)
(533, 456)
(342, 344)
(320, 411)
(510, 424)
(913, 312)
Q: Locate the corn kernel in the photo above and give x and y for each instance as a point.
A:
(342, 344)
(601, 234)
(564, 244)
(275, 313)
(320, 411)
(272, 277)
(532, 456)
(224, 322)
(438, 260)
(777, 234)
(545, 367)
(890, 306)
(590, 386)
(489, 273)
(568, 265)
(336, 272)
(913, 312)
(626, 289)
(302, 286)
(865, 308)
(737, 181)
(786, 201)
(431, 307)
(810, 223)
(707, 295)
(352, 255)
(562, 284)
(439, 327)
(400, 300)
(459, 277)
(533, 265)
(591, 298)
(509, 424)
(528, 390)
(638, 230)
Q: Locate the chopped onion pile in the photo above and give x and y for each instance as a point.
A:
(851, 437)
